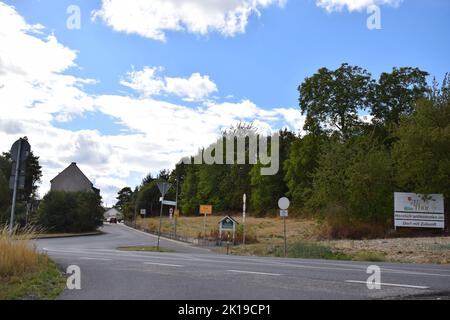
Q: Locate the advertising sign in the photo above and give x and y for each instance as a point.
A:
(419, 211)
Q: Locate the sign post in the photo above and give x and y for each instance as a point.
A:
(163, 188)
(205, 210)
(284, 204)
(19, 153)
(243, 217)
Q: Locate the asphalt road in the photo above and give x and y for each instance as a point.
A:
(195, 273)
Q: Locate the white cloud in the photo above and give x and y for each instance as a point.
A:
(195, 88)
(148, 83)
(36, 91)
(353, 5)
(152, 19)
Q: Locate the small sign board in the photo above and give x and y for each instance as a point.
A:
(284, 213)
(419, 211)
(169, 203)
(206, 209)
(143, 212)
(228, 224)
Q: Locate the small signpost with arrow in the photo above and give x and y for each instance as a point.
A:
(20, 151)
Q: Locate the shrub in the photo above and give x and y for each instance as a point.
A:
(70, 212)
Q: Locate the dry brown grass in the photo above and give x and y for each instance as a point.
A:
(17, 256)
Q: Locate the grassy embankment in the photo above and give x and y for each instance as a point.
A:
(25, 273)
(308, 239)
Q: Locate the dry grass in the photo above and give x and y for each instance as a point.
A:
(25, 273)
(16, 254)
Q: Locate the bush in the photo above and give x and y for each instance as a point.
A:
(70, 212)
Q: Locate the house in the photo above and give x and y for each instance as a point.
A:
(113, 213)
(72, 179)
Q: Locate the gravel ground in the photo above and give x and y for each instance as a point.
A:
(407, 250)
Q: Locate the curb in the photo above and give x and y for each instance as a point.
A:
(88, 234)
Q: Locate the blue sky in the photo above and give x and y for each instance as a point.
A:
(252, 69)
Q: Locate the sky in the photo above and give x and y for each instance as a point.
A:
(125, 88)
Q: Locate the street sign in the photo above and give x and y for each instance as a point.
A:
(206, 209)
(24, 147)
(284, 213)
(169, 203)
(284, 203)
(163, 187)
(171, 211)
(143, 212)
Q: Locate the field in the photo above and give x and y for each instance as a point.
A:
(306, 240)
(25, 273)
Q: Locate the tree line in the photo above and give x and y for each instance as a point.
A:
(343, 168)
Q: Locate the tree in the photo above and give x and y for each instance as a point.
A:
(331, 99)
(124, 197)
(70, 212)
(422, 152)
(396, 93)
(148, 198)
(188, 196)
(5, 198)
(266, 190)
(300, 167)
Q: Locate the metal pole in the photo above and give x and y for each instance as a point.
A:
(204, 230)
(176, 210)
(285, 238)
(16, 181)
(243, 218)
(160, 221)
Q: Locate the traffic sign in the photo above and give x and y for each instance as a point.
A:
(168, 203)
(163, 187)
(171, 211)
(284, 213)
(206, 209)
(284, 203)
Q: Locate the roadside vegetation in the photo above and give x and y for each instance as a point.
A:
(343, 169)
(25, 273)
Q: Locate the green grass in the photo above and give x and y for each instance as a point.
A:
(145, 249)
(372, 256)
(306, 250)
(44, 283)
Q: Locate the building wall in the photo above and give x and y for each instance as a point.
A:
(71, 180)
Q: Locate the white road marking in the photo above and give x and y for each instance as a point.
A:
(254, 272)
(390, 284)
(99, 259)
(164, 264)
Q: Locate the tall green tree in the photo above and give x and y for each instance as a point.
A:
(332, 99)
(124, 197)
(396, 93)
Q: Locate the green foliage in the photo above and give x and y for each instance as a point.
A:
(148, 198)
(70, 212)
(5, 198)
(333, 98)
(422, 152)
(396, 94)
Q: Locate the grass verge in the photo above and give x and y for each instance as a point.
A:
(306, 250)
(146, 249)
(25, 273)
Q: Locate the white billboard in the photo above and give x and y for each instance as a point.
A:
(414, 210)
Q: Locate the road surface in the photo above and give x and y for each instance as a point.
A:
(196, 273)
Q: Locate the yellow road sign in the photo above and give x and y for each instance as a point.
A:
(206, 209)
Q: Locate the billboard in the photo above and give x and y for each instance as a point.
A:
(414, 210)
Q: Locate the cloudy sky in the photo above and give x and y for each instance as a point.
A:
(143, 83)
